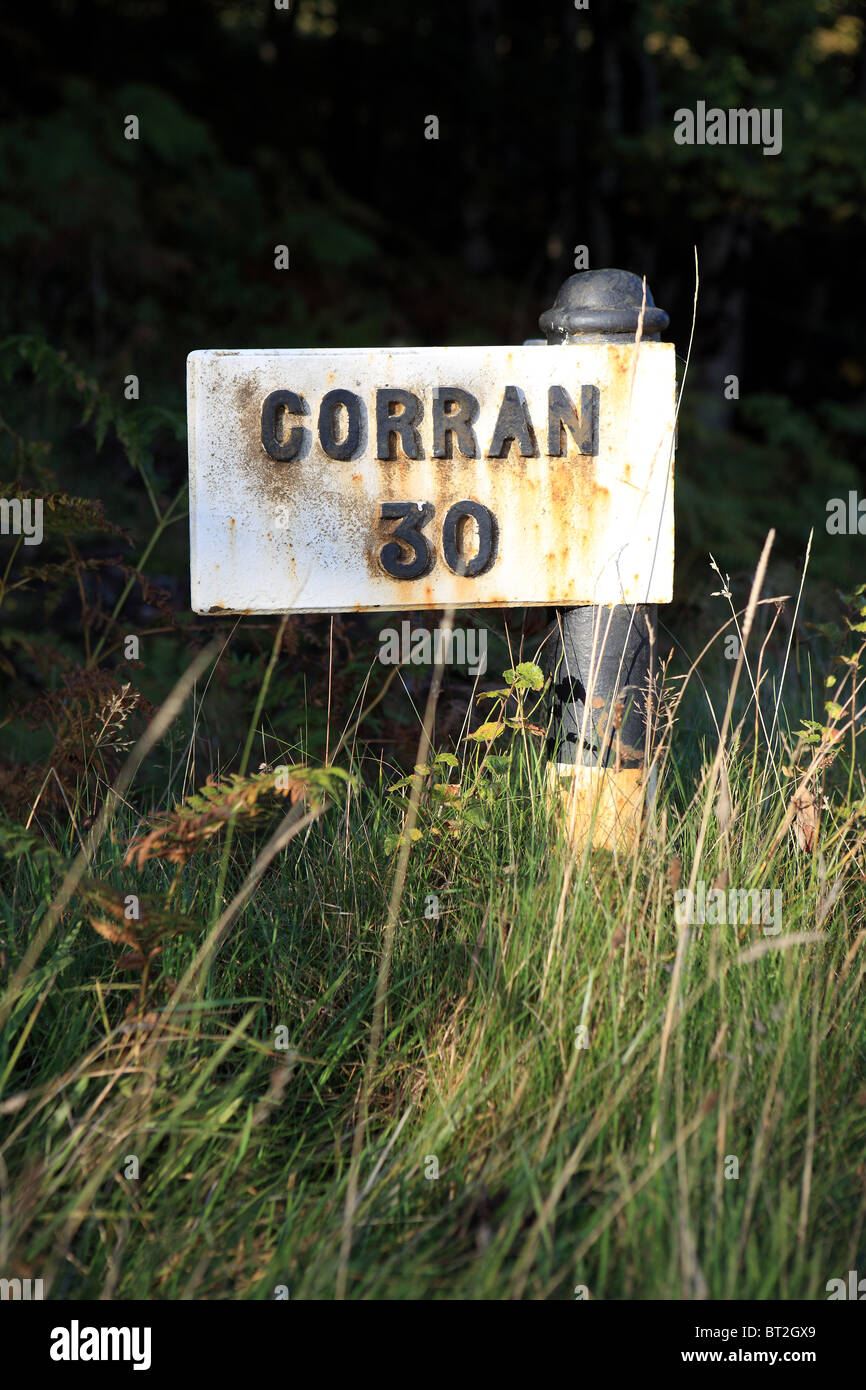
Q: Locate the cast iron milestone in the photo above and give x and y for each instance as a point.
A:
(333, 479)
(326, 480)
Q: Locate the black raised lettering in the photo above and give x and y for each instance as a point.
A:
(275, 406)
(448, 425)
(412, 518)
(403, 425)
(487, 538)
(354, 406)
(514, 424)
(562, 416)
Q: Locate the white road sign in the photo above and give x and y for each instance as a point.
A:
(332, 480)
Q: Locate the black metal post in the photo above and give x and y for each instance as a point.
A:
(601, 657)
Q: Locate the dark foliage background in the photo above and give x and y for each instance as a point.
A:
(306, 127)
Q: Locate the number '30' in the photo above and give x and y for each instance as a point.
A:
(409, 554)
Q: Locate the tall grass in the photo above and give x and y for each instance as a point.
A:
(648, 1110)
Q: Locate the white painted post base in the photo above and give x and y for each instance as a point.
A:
(597, 807)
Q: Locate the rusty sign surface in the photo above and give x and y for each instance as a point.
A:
(408, 478)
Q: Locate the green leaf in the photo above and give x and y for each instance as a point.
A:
(526, 676)
(487, 732)
(498, 763)
(446, 791)
(393, 842)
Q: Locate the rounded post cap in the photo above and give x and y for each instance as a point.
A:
(602, 302)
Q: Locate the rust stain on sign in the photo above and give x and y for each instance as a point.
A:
(413, 478)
